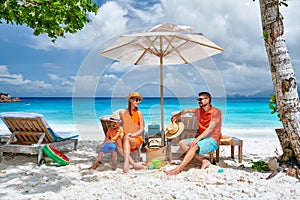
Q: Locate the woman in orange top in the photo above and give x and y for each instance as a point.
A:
(133, 125)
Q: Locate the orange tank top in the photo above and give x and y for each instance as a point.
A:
(130, 123)
(135, 117)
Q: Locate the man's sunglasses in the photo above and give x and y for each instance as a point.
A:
(200, 99)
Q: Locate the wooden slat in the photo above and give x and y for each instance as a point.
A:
(39, 125)
(19, 124)
(28, 126)
(27, 137)
(190, 129)
(42, 128)
(32, 124)
(104, 124)
(12, 125)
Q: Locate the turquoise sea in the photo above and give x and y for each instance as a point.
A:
(82, 114)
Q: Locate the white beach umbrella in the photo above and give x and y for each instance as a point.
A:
(165, 44)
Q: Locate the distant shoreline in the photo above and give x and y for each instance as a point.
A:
(143, 97)
(5, 98)
(10, 100)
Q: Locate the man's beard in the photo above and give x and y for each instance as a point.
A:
(202, 105)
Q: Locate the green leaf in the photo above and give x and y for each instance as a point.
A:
(260, 166)
(272, 105)
(272, 97)
(279, 117)
(50, 17)
(265, 35)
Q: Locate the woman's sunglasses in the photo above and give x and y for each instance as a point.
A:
(137, 99)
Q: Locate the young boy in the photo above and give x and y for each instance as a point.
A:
(114, 132)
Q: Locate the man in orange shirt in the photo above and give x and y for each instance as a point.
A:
(209, 123)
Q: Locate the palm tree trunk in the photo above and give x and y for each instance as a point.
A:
(283, 76)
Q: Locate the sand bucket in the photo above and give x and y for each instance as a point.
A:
(156, 163)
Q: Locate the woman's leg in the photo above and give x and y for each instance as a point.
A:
(127, 145)
(126, 151)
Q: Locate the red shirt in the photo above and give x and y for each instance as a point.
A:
(204, 118)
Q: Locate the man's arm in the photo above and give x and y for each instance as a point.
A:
(207, 131)
(188, 110)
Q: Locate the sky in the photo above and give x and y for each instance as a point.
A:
(32, 66)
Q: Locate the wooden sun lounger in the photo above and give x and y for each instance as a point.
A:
(30, 134)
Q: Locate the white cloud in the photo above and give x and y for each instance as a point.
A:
(67, 84)
(55, 77)
(61, 83)
(7, 80)
(59, 86)
(11, 79)
(149, 15)
(120, 67)
(41, 85)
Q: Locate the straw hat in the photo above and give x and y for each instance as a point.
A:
(134, 94)
(115, 117)
(153, 144)
(174, 129)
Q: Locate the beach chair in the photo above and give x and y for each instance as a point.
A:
(190, 131)
(105, 122)
(31, 132)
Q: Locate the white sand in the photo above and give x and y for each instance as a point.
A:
(21, 178)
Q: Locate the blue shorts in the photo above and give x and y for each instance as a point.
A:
(206, 145)
(109, 146)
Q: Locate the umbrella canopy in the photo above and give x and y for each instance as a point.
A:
(165, 44)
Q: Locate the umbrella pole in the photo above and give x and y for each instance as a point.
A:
(162, 103)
